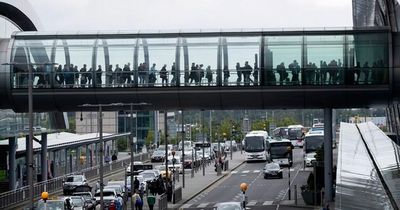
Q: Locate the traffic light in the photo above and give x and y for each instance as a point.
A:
(188, 131)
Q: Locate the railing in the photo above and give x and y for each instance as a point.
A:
(229, 77)
(177, 195)
(163, 202)
(20, 195)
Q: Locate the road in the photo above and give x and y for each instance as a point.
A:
(262, 193)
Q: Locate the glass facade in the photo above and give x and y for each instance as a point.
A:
(276, 60)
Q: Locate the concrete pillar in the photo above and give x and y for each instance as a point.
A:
(43, 156)
(55, 163)
(328, 154)
(78, 158)
(66, 160)
(70, 161)
(12, 150)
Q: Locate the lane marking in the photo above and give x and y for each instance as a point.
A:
(202, 205)
(251, 203)
(234, 172)
(268, 203)
(245, 172)
(257, 171)
(187, 205)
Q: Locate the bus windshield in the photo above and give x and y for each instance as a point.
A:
(280, 150)
(312, 143)
(254, 144)
(295, 133)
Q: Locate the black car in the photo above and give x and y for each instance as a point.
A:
(272, 170)
(158, 156)
(89, 199)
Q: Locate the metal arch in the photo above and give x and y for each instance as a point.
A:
(219, 62)
(94, 62)
(261, 73)
(53, 60)
(185, 60)
(225, 52)
(66, 52)
(135, 63)
(106, 54)
(178, 62)
(146, 53)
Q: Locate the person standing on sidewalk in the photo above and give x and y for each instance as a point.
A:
(137, 200)
(151, 200)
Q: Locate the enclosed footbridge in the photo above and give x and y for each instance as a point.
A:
(247, 69)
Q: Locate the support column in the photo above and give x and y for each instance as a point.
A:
(87, 154)
(55, 163)
(12, 150)
(66, 161)
(328, 153)
(78, 158)
(43, 156)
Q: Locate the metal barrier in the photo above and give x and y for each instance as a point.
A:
(226, 165)
(20, 195)
(163, 202)
(177, 195)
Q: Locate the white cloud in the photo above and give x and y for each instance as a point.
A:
(73, 15)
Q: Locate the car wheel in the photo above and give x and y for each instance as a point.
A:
(281, 176)
(265, 177)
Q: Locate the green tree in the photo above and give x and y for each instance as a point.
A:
(149, 138)
(122, 144)
(286, 121)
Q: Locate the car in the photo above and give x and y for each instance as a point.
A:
(118, 189)
(187, 162)
(71, 182)
(89, 199)
(175, 164)
(138, 168)
(51, 204)
(109, 195)
(117, 183)
(163, 171)
(158, 156)
(228, 146)
(229, 206)
(309, 159)
(148, 175)
(79, 203)
(272, 170)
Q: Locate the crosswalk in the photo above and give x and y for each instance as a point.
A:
(210, 205)
(254, 171)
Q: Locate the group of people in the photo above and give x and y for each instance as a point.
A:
(328, 73)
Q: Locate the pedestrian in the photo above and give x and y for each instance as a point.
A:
(209, 75)
(119, 202)
(164, 75)
(151, 200)
(136, 183)
(137, 200)
(141, 190)
(114, 157)
(113, 205)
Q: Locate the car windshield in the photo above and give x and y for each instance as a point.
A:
(272, 167)
(74, 179)
(159, 153)
(105, 193)
(280, 150)
(77, 202)
(53, 205)
(229, 207)
(313, 143)
(295, 133)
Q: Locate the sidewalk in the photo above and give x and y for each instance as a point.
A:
(194, 186)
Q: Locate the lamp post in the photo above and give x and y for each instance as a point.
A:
(183, 150)
(243, 187)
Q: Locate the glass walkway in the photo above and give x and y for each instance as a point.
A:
(209, 61)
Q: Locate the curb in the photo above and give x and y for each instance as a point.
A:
(301, 206)
(208, 186)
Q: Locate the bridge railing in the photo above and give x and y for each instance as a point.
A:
(19, 196)
(279, 76)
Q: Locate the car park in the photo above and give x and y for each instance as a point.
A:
(89, 199)
(272, 170)
(71, 182)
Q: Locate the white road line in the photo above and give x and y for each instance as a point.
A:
(267, 203)
(234, 172)
(256, 171)
(202, 205)
(187, 205)
(245, 172)
(251, 203)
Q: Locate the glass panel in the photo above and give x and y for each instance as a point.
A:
(121, 59)
(243, 58)
(203, 55)
(161, 59)
(371, 53)
(283, 60)
(325, 60)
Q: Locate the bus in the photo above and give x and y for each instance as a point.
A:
(281, 132)
(281, 152)
(312, 141)
(255, 146)
(295, 135)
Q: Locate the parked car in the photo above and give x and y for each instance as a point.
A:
(70, 183)
(272, 170)
(79, 203)
(158, 156)
(89, 199)
(229, 206)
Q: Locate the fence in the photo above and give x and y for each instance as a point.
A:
(20, 196)
(163, 202)
(177, 196)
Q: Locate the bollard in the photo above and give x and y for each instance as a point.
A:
(295, 195)
(219, 170)
(192, 172)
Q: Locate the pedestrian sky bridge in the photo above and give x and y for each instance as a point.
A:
(246, 69)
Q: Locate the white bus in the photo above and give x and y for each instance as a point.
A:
(281, 152)
(255, 146)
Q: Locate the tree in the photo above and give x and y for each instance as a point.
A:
(122, 144)
(286, 121)
(149, 138)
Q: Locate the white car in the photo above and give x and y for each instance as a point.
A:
(229, 206)
(148, 175)
(128, 169)
(309, 158)
(108, 196)
(177, 164)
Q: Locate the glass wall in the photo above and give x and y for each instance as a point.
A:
(311, 60)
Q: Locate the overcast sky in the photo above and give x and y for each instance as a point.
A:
(73, 15)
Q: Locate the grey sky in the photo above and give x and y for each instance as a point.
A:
(73, 15)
